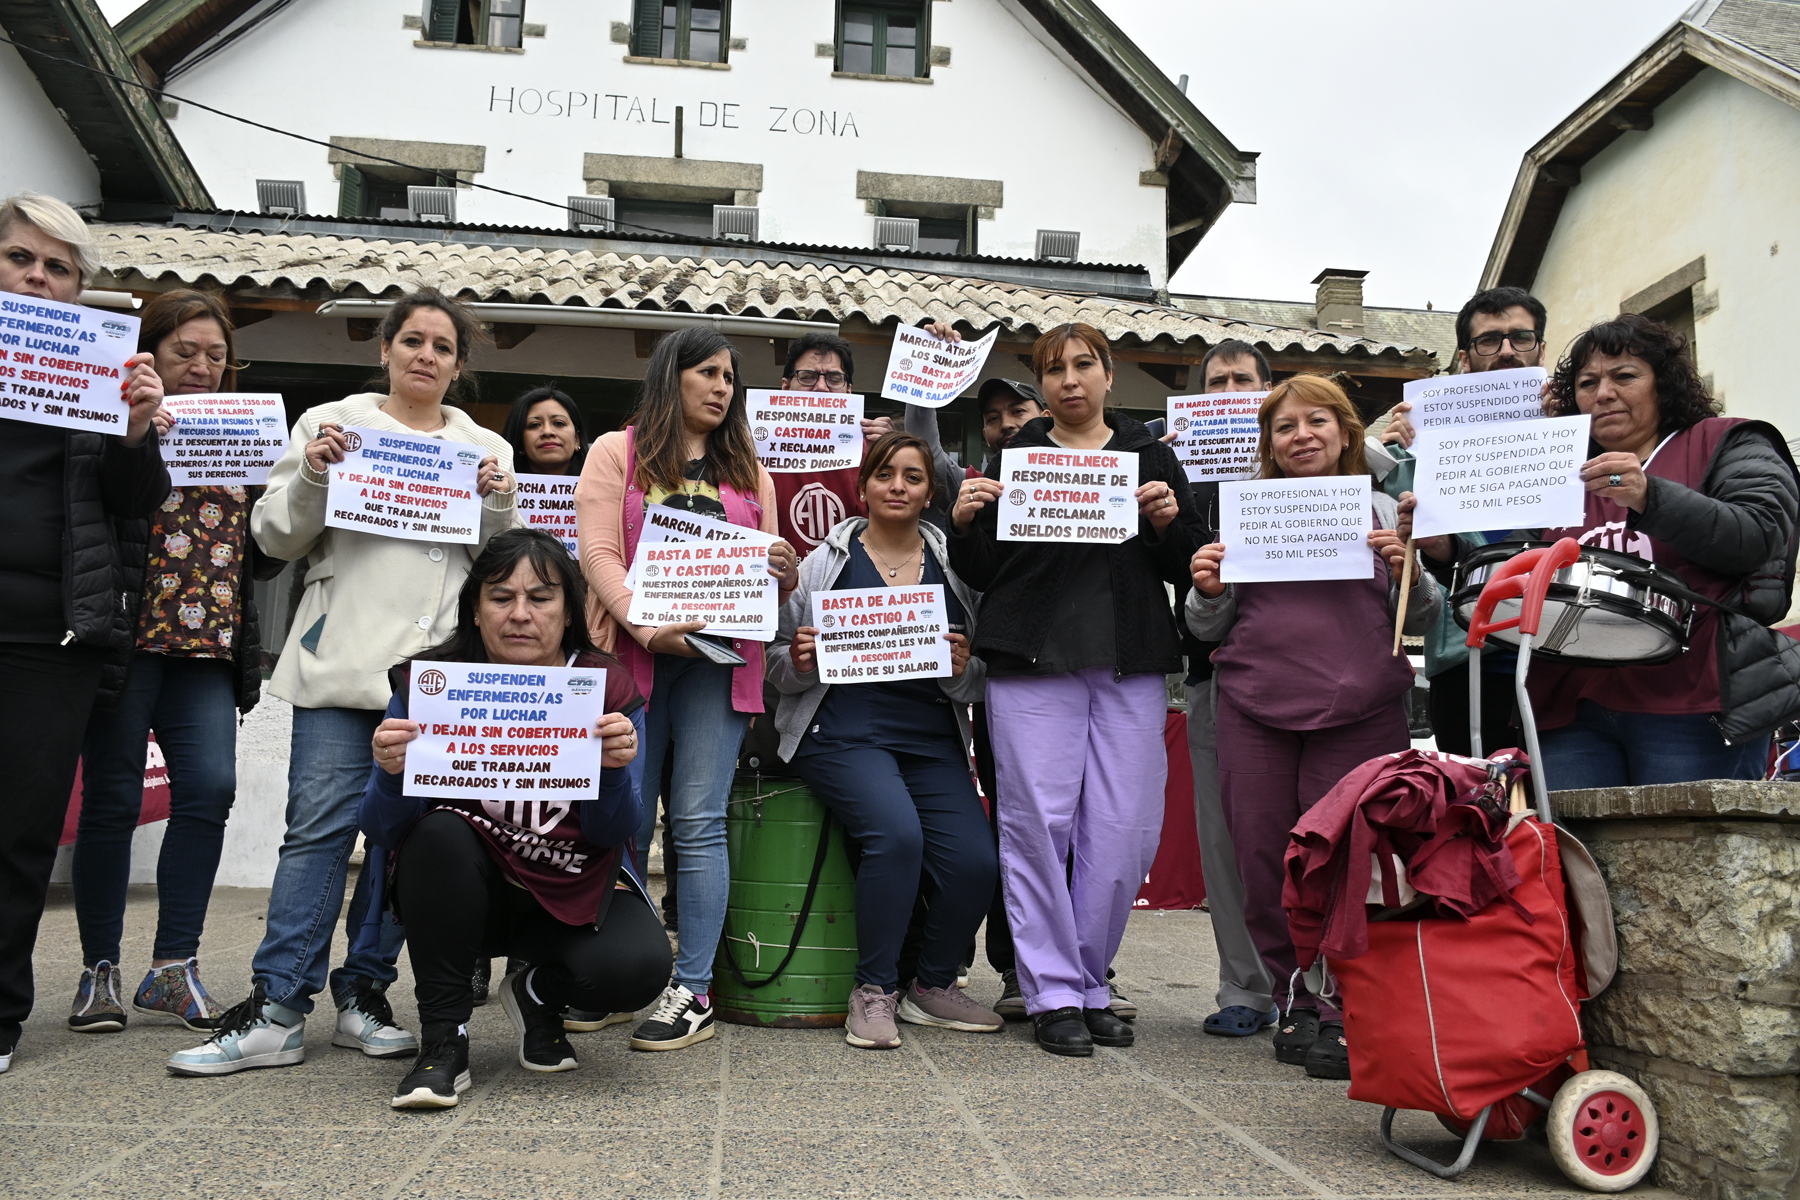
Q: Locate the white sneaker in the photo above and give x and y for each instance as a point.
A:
(366, 1023)
(253, 1033)
(6, 1054)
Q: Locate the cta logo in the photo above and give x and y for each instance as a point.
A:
(468, 458)
(115, 329)
(432, 682)
(582, 685)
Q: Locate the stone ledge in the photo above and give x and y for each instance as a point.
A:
(1757, 799)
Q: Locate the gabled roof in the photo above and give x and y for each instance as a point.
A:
(160, 33)
(1423, 328)
(1754, 41)
(118, 125)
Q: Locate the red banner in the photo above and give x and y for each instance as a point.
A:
(1175, 880)
(156, 794)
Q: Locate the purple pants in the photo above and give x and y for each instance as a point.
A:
(1080, 761)
(1268, 777)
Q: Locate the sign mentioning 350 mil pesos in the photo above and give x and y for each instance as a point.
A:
(1296, 529)
(930, 372)
(406, 486)
(63, 364)
(1056, 495)
(878, 634)
(725, 584)
(488, 730)
(222, 439)
(547, 502)
(1508, 475)
(806, 431)
(1216, 434)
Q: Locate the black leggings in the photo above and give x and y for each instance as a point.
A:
(458, 907)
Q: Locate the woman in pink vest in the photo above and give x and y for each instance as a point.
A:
(688, 447)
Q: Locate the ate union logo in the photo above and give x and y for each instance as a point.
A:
(352, 441)
(432, 682)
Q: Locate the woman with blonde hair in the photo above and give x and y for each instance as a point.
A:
(1308, 688)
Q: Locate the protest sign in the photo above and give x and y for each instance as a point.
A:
(547, 502)
(1056, 495)
(406, 486)
(63, 364)
(1512, 475)
(221, 439)
(487, 730)
(662, 523)
(868, 634)
(1288, 529)
(806, 431)
(1444, 401)
(1216, 434)
(724, 583)
(927, 371)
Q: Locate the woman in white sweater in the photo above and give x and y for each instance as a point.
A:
(370, 601)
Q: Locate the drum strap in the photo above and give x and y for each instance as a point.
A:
(812, 890)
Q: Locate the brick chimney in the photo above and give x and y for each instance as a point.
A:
(1339, 307)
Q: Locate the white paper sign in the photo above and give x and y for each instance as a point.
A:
(1294, 529)
(1216, 434)
(487, 731)
(1048, 494)
(1513, 475)
(64, 365)
(406, 486)
(1479, 397)
(880, 634)
(926, 371)
(806, 431)
(547, 502)
(724, 583)
(662, 523)
(226, 438)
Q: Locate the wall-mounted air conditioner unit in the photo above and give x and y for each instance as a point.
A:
(281, 197)
(1058, 245)
(431, 203)
(591, 214)
(736, 222)
(897, 233)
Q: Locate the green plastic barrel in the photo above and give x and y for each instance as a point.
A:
(772, 833)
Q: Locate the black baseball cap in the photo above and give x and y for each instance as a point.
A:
(1022, 390)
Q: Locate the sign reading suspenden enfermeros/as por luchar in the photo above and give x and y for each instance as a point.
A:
(64, 364)
(406, 486)
(487, 730)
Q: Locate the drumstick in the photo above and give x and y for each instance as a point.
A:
(1405, 588)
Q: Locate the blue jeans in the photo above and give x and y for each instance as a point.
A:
(1603, 748)
(690, 702)
(192, 705)
(329, 760)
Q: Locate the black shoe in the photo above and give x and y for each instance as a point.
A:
(671, 914)
(478, 983)
(543, 1046)
(1105, 1027)
(681, 1019)
(1295, 1035)
(1011, 1004)
(439, 1077)
(1329, 1056)
(1062, 1031)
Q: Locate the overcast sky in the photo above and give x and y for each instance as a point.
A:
(1390, 130)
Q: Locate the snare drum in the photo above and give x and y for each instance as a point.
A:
(1605, 609)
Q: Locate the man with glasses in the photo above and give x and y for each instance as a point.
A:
(811, 502)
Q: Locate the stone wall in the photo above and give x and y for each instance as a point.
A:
(1705, 1011)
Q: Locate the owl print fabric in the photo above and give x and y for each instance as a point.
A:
(192, 572)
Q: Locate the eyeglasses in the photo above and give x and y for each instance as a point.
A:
(1523, 340)
(830, 378)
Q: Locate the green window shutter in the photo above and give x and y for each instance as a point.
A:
(350, 192)
(440, 23)
(646, 28)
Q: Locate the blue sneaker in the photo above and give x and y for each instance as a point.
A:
(255, 1032)
(97, 1008)
(176, 991)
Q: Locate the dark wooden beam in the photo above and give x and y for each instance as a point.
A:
(241, 317)
(508, 334)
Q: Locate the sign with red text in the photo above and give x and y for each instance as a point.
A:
(547, 502)
(1276, 530)
(662, 524)
(879, 634)
(406, 485)
(723, 583)
(806, 431)
(928, 371)
(1216, 434)
(1048, 494)
(488, 731)
(224, 439)
(64, 364)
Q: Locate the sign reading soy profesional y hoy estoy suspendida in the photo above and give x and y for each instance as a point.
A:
(1508, 475)
(487, 729)
(1476, 398)
(806, 431)
(1276, 530)
(880, 634)
(63, 364)
(224, 439)
(406, 486)
(1216, 434)
(547, 502)
(1056, 495)
(930, 372)
(723, 583)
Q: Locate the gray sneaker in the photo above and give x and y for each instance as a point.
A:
(1121, 1005)
(948, 1008)
(871, 1020)
(1011, 1004)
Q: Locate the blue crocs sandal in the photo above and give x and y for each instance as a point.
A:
(1240, 1020)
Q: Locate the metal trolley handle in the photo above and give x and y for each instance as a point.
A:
(1525, 577)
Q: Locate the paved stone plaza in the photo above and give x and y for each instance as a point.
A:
(753, 1113)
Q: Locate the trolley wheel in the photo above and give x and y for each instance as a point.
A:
(1602, 1131)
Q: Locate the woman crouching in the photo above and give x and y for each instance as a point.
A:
(460, 877)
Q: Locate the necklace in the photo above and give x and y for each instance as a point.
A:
(892, 569)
